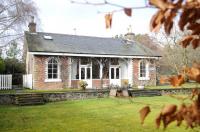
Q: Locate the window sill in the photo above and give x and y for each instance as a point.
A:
(52, 80)
(144, 78)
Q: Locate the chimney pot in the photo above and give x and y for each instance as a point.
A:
(32, 25)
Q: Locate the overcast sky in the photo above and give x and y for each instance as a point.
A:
(61, 16)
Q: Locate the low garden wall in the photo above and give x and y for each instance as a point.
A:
(174, 91)
(50, 97)
(59, 96)
(7, 99)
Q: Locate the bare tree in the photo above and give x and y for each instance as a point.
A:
(174, 57)
(14, 16)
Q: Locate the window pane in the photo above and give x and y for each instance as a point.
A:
(55, 76)
(50, 61)
(82, 73)
(49, 76)
(54, 70)
(55, 66)
(49, 71)
(142, 69)
(117, 73)
(88, 73)
(49, 65)
(144, 74)
(77, 70)
(54, 61)
(112, 73)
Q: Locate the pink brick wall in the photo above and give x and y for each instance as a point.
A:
(96, 83)
(152, 73)
(39, 74)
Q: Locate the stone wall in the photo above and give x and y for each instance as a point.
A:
(166, 91)
(51, 97)
(60, 96)
(6, 99)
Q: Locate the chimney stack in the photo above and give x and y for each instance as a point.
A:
(130, 35)
(32, 25)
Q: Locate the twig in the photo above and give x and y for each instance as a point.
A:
(112, 4)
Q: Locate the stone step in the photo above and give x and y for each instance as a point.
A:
(144, 93)
(29, 99)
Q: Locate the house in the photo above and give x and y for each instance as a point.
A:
(59, 61)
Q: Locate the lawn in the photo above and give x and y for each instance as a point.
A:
(91, 115)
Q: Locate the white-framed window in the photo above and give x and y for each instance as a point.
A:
(143, 70)
(52, 70)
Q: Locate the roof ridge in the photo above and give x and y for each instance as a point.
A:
(74, 35)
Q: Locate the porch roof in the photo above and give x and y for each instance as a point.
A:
(73, 44)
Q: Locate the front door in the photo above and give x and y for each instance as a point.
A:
(86, 75)
(115, 76)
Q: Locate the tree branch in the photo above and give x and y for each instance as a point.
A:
(2, 46)
(112, 4)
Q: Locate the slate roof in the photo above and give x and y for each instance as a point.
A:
(63, 43)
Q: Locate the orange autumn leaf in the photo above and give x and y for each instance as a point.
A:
(168, 24)
(144, 112)
(158, 120)
(194, 74)
(162, 4)
(108, 20)
(128, 11)
(156, 21)
(168, 119)
(177, 80)
(168, 109)
(186, 41)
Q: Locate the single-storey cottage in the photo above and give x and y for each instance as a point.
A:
(59, 61)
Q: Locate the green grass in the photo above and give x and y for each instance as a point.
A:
(9, 91)
(91, 115)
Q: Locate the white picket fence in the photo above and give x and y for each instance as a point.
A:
(27, 81)
(5, 82)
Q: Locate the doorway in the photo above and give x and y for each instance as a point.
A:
(115, 75)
